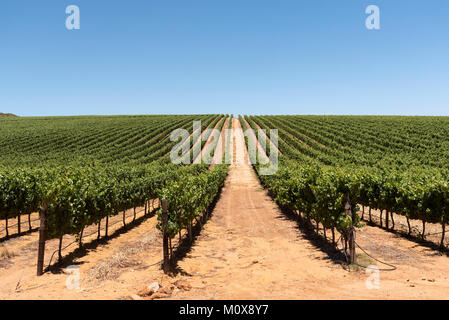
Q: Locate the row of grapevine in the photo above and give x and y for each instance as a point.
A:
(190, 196)
(397, 142)
(38, 142)
(77, 197)
(119, 163)
(316, 193)
(324, 170)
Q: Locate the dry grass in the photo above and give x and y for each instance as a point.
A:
(111, 269)
(5, 253)
(5, 256)
(141, 245)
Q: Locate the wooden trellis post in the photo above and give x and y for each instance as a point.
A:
(165, 248)
(41, 251)
(351, 231)
(107, 225)
(18, 223)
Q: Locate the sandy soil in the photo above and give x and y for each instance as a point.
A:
(100, 263)
(12, 226)
(221, 144)
(248, 249)
(433, 231)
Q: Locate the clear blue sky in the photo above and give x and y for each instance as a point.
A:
(224, 56)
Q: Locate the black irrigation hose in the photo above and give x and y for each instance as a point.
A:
(404, 225)
(373, 241)
(109, 225)
(413, 228)
(359, 265)
(144, 267)
(49, 263)
(390, 265)
(344, 251)
(22, 222)
(432, 234)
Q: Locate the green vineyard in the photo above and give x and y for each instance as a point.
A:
(393, 164)
(85, 169)
(78, 141)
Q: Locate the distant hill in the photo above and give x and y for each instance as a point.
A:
(7, 115)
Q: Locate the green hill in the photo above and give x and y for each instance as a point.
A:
(7, 115)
